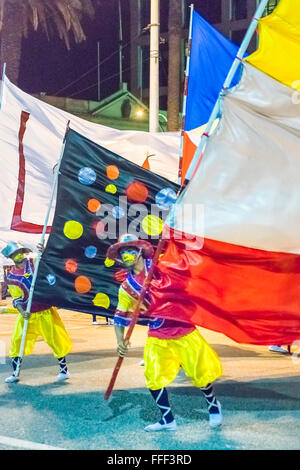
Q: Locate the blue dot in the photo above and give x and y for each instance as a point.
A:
(165, 198)
(118, 212)
(90, 251)
(87, 175)
(51, 279)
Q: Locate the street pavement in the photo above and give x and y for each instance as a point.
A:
(259, 392)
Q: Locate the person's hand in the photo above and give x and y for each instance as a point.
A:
(25, 315)
(123, 348)
(120, 275)
(40, 247)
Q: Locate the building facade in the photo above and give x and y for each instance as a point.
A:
(230, 17)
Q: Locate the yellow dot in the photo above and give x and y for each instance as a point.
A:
(101, 300)
(152, 225)
(109, 262)
(73, 229)
(111, 188)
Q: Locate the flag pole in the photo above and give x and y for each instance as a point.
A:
(29, 303)
(2, 84)
(185, 93)
(241, 52)
(135, 316)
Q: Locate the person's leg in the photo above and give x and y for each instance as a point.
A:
(31, 337)
(161, 368)
(201, 363)
(167, 421)
(213, 405)
(14, 363)
(52, 330)
(95, 320)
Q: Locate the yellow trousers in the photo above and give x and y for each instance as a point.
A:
(163, 358)
(46, 324)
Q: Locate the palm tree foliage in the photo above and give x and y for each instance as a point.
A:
(55, 17)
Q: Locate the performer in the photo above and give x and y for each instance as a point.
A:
(170, 345)
(43, 320)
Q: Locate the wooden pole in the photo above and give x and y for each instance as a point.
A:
(29, 303)
(135, 316)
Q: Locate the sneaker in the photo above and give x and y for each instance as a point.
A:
(215, 419)
(161, 427)
(142, 363)
(12, 379)
(95, 323)
(278, 349)
(61, 376)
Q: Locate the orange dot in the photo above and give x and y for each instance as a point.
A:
(71, 265)
(94, 205)
(137, 192)
(112, 172)
(82, 284)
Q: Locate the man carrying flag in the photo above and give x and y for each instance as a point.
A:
(170, 344)
(43, 320)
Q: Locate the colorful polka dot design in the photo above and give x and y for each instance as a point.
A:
(90, 251)
(165, 198)
(137, 192)
(87, 176)
(73, 229)
(111, 188)
(118, 212)
(101, 300)
(112, 172)
(93, 205)
(152, 225)
(71, 266)
(109, 262)
(51, 278)
(82, 284)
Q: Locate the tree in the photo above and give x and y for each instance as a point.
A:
(174, 40)
(62, 17)
(272, 4)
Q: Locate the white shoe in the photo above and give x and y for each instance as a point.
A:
(142, 363)
(278, 349)
(161, 427)
(12, 379)
(60, 377)
(215, 419)
(95, 323)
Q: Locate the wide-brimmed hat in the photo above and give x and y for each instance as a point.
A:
(12, 248)
(130, 241)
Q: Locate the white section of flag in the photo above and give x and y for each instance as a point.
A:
(42, 146)
(248, 180)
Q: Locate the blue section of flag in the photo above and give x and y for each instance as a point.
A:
(211, 58)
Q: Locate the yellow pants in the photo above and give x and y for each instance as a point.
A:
(46, 324)
(163, 358)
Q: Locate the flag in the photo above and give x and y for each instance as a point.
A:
(31, 135)
(100, 196)
(243, 279)
(211, 57)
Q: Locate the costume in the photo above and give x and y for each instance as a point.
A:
(44, 320)
(170, 345)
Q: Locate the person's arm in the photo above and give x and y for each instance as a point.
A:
(122, 346)
(17, 295)
(122, 319)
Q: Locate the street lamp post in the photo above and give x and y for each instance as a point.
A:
(154, 67)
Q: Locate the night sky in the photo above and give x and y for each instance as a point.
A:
(49, 66)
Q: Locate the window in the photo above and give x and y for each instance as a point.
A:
(239, 9)
(238, 36)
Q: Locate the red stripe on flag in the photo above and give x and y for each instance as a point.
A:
(250, 295)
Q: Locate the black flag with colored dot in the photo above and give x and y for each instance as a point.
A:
(100, 196)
